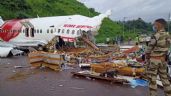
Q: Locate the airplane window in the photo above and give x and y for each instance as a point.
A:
(51, 31)
(14, 30)
(34, 30)
(47, 30)
(59, 30)
(23, 30)
(73, 31)
(0, 30)
(63, 30)
(40, 30)
(68, 31)
(19, 31)
(37, 30)
(78, 32)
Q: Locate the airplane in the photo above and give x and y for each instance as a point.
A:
(37, 32)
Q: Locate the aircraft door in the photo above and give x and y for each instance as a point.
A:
(32, 32)
(27, 32)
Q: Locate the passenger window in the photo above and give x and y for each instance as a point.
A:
(14, 30)
(63, 30)
(59, 30)
(51, 31)
(40, 30)
(68, 31)
(37, 30)
(34, 30)
(47, 30)
(73, 31)
(0, 30)
(78, 32)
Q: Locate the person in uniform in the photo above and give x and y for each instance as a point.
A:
(156, 54)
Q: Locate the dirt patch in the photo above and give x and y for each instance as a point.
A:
(22, 75)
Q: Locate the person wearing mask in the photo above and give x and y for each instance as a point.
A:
(156, 55)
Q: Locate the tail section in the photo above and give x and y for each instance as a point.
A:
(108, 13)
(1, 21)
(97, 20)
(104, 15)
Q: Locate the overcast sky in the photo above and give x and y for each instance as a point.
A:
(148, 10)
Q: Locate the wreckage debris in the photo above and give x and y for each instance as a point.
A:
(106, 66)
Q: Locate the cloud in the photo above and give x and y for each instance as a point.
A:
(132, 9)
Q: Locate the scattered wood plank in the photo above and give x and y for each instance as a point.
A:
(113, 80)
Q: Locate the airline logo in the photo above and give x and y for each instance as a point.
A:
(77, 26)
(10, 29)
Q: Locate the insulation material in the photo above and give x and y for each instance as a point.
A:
(50, 60)
(128, 71)
(132, 50)
(36, 57)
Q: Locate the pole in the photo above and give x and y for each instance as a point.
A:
(169, 22)
(123, 26)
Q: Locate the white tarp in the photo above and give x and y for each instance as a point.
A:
(4, 51)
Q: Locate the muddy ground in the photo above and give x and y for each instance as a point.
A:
(28, 81)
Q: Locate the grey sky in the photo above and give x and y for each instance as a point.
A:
(132, 9)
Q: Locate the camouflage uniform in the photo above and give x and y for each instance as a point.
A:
(157, 49)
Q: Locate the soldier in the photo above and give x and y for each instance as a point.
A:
(156, 54)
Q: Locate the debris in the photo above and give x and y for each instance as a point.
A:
(138, 82)
(18, 67)
(66, 67)
(13, 71)
(61, 85)
(91, 76)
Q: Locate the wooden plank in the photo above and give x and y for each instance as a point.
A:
(113, 80)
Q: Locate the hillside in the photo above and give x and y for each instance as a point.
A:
(10, 9)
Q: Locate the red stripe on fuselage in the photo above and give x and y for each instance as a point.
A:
(10, 29)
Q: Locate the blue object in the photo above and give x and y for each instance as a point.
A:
(138, 82)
